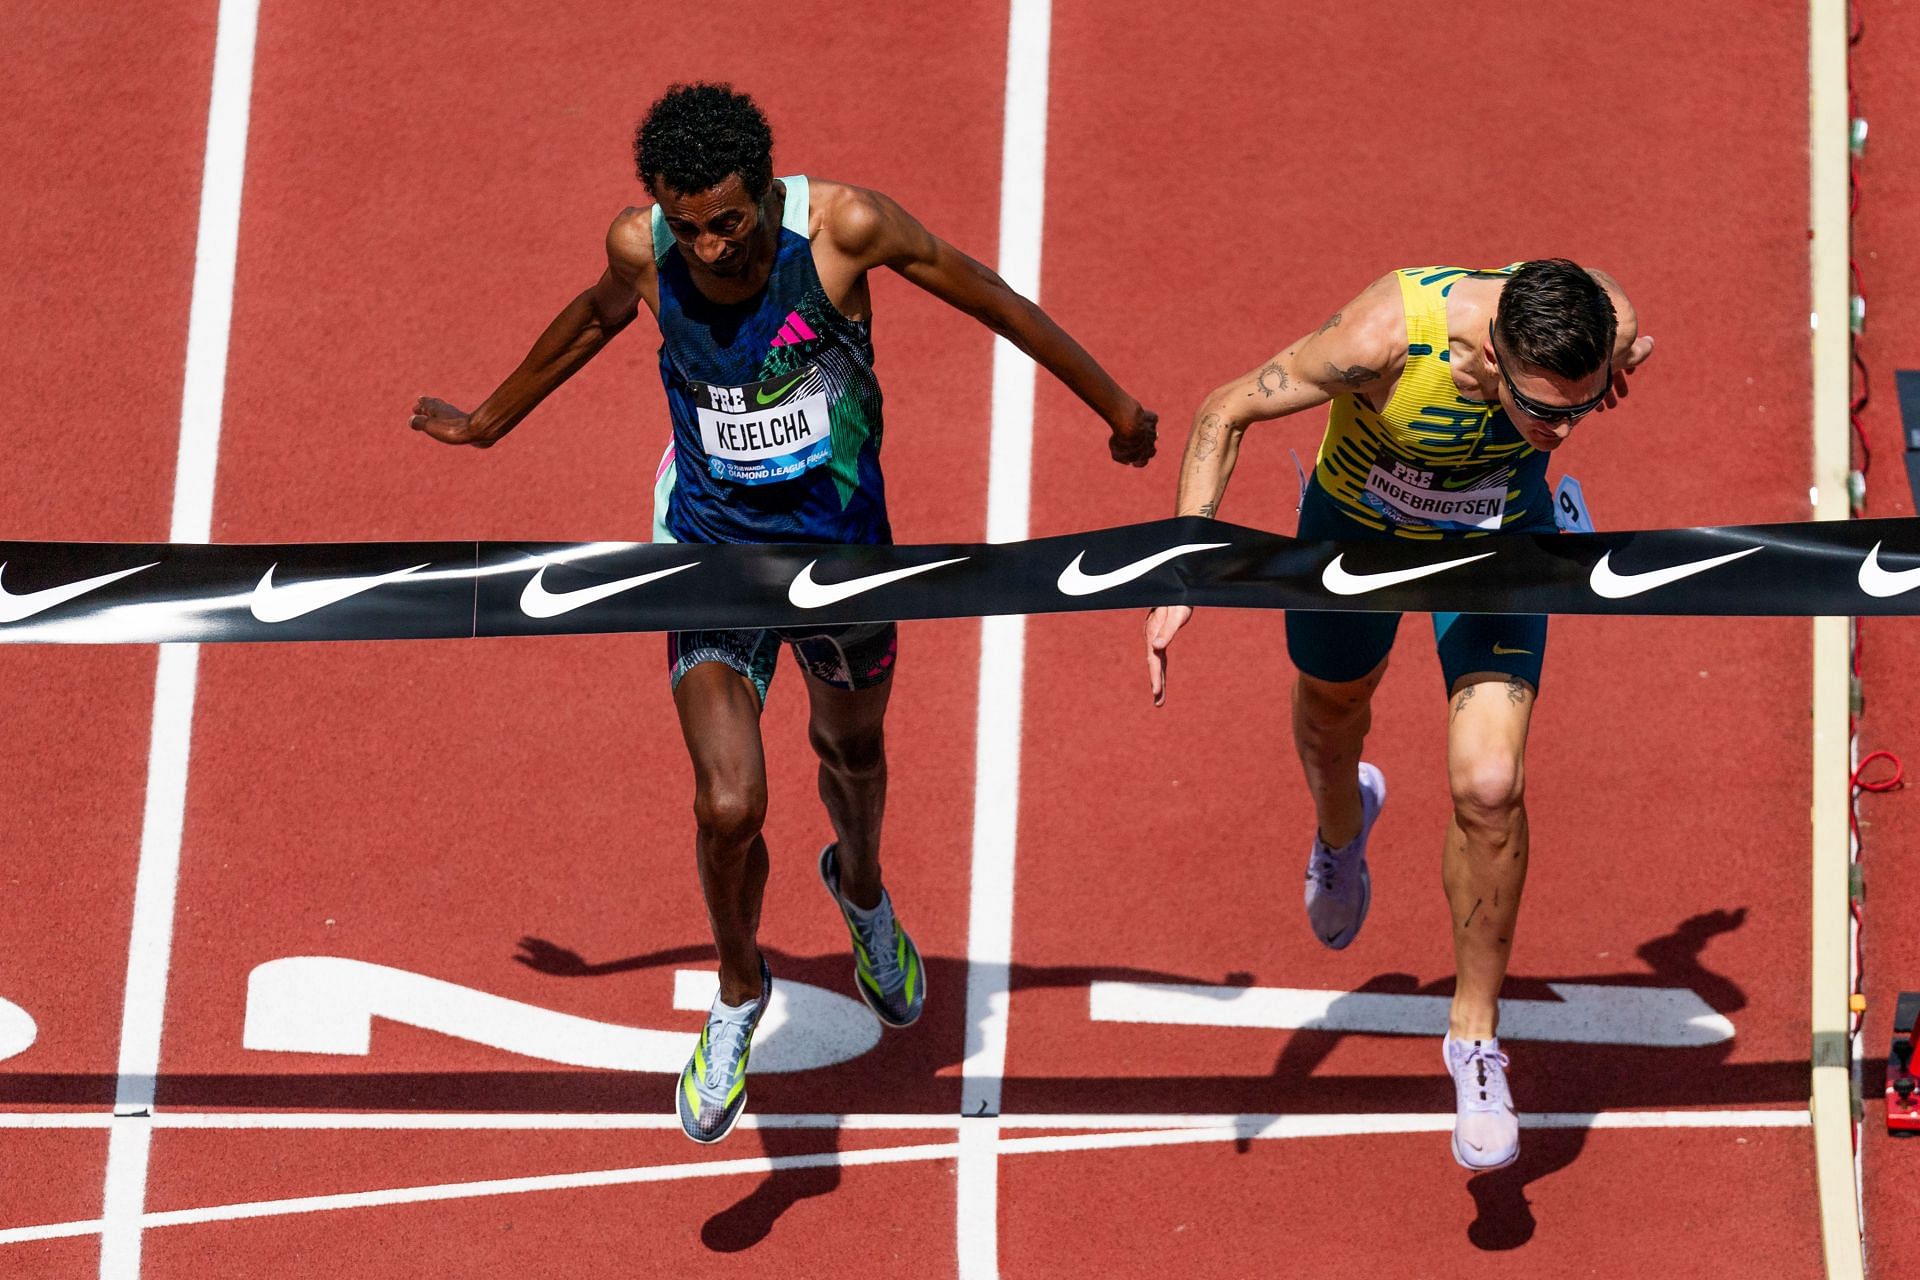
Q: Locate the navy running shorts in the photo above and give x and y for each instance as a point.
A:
(1339, 647)
(855, 657)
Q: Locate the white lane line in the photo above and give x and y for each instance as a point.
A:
(151, 941)
(203, 394)
(129, 1144)
(996, 795)
(577, 1122)
(1220, 1129)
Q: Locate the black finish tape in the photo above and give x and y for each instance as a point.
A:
(98, 593)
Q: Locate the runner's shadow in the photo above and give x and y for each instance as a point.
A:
(550, 958)
(749, 1220)
(1673, 958)
(806, 1159)
(1505, 1219)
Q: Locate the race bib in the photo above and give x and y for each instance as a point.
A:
(767, 431)
(1407, 494)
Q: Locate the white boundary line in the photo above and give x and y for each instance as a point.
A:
(1212, 1129)
(1832, 1104)
(203, 394)
(996, 796)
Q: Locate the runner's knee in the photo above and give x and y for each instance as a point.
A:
(1488, 792)
(853, 755)
(730, 813)
(1328, 708)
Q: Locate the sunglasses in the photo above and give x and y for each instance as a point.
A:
(1552, 414)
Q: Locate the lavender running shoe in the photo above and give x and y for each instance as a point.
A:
(1339, 890)
(1486, 1132)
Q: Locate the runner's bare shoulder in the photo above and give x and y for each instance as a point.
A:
(630, 241)
(1362, 344)
(858, 222)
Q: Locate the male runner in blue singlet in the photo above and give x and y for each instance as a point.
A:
(1448, 389)
(759, 286)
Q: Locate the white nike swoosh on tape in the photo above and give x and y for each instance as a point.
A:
(1342, 583)
(1074, 582)
(284, 603)
(1618, 586)
(1881, 583)
(538, 602)
(14, 608)
(805, 593)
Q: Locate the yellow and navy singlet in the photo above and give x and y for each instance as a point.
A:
(1432, 463)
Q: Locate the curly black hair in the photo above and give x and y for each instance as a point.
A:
(1555, 316)
(697, 134)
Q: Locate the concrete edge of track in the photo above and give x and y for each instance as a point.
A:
(1832, 1104)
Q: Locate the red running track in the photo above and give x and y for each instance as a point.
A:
(425, 188)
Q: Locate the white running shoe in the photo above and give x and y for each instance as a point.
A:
(1339, 889)
(1486, 1132)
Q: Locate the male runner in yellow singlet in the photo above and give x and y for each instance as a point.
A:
(1448, 389)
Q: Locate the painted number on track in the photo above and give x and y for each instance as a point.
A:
(17, 1030)
(1582, 1013)
(327, 1004)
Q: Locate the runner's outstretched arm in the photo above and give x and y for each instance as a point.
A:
(575, 337)
(1361, 348)
(875, 231)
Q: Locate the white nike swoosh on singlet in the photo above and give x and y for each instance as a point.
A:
(1618, 586)
(16, 607)
(1075, 582)
(1881, 583)
(805, 593)
(284, 603)
(1343, 583)
(538, 602)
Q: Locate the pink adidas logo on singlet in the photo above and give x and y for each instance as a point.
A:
(793, 330)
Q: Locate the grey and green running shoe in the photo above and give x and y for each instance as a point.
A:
(713, 1088)
(886, 964)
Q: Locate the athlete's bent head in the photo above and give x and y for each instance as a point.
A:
(1552, 342)
(698, 134)
(705, 154)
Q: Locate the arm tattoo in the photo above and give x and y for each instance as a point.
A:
(1272, 379)
(1209, 440)
(1460, 703)
(1516, 691)
(1333, 322)
(1208, 508)
(1354, 375)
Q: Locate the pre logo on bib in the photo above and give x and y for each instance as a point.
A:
(765, 432)
(1407, 494)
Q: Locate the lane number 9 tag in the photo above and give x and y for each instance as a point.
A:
(1570, 507)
